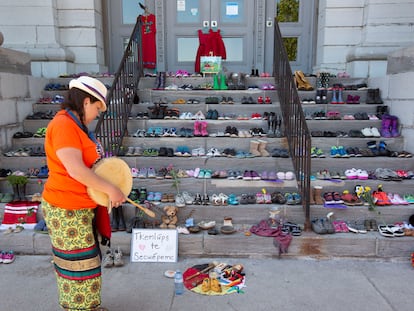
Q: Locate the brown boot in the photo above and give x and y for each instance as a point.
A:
(301, 82)
(312, 196)
(262, 148)
(254, 148)
(317, 191)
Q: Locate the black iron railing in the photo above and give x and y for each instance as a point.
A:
(296, 128)
(112, 125)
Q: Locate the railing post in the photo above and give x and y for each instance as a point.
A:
(297, 131)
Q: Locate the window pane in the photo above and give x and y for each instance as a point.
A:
(291, 45)
(187, 49)
(232, 12)
(288, 11)
(188, 11)
(234, 49)
(130, 11)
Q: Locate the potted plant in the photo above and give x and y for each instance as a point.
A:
(18, 183)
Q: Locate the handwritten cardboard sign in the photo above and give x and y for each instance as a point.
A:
(154, 245)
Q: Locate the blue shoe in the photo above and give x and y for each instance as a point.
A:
(335, 152)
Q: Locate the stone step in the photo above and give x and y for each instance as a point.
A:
(309, 245)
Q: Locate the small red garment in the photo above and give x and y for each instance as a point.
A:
(149, 48)
(103, 224)
(210, 44)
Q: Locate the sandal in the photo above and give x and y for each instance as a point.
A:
(227, 227)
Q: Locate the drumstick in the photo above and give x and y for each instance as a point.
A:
(144, 209)
(210, 266)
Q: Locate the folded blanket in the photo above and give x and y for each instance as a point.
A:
(281, 239)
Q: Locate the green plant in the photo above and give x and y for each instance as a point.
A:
(288, 11)
(17, 180)
(176, 180)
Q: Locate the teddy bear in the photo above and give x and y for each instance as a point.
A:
(170, 219)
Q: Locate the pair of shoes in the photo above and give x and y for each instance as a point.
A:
(7, 257)
(356, 227)
(17, 229)
(41, 227)
(211, 284)
(113, 258)
(322, 226)
(390, 231)
(370, 224)
(292, 228)
(227, 227)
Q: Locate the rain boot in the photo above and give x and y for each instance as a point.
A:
(377, 97)
(386, 126)
(216, 85)
(197, 128)
(334, 99)
(163, 79)
(340, 99)
(270, 120)
(370, 96)
(394, 126)
(16, 195)
(203, 125)
(223, 85)
(22, 192)
(278, 127)
(115, 220)
(262, 148)
(121, 219)
(254, 148)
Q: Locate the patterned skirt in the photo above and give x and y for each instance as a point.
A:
(76, 256)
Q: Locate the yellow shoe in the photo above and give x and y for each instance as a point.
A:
(215, 285)
(206, 285)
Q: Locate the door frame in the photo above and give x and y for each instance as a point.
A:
(263, 45)
(304, 30)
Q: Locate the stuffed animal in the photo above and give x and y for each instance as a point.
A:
(170, 219)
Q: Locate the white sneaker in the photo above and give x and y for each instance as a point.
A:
(187, 198)
(118, 261)
(179, 200)
(108, 260)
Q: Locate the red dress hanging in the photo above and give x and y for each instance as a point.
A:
(149, 49)
(210, 42)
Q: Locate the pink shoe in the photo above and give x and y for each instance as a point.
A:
(197, 127)
(204, 132)
(7, 257)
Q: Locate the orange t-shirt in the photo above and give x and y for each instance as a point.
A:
(61, 189)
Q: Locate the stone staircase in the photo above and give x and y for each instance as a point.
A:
(243, 215)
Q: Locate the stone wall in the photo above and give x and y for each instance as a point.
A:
(397, 91)
(357, 35)
(60, 36)
(18, 92)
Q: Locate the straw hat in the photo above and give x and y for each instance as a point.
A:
(91, 86)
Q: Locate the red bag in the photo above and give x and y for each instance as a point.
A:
(103, 224)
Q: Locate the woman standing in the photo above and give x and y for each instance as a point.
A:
(71, 151)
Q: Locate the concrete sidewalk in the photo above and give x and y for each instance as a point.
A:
(272, 284)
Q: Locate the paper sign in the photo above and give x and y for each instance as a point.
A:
(154, 245)
(180, 5)
(232, 9)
